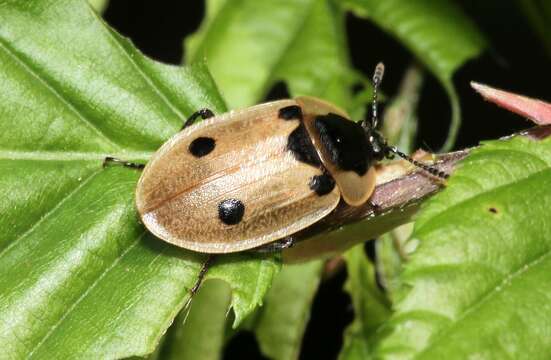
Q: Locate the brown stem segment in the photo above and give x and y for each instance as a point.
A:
(396, 198)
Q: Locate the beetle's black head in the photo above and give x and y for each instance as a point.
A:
(378, 144)
(351, 146)
(345, 142)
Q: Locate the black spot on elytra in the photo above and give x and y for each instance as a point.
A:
(322, 184)
(493, 210)
(346, 143)
(292, 112)
(301, 146)
(201, 146)
(231, 211)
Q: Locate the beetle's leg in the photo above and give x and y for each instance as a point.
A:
(376, 207)
(202, 274)
(199, 281)
(275, 246)
(111, 160)
(203, 114)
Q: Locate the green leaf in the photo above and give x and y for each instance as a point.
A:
(99, 5)
(79, 276)
(371, 308)
(201, 333)
(479, 279)
(390, 257)
(435, 31)
(282, 320)
(251, 45)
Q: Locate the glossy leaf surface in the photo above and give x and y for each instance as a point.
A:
(79, 275)
(477, 284)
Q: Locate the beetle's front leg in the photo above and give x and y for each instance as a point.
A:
(276, 246)
(203, 114)
(111, 160)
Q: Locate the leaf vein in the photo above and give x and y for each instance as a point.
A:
(51, 211)
(505, 283)
(18, 155)
(85, 294)
(53, 90)
(148, 78)
(447, 210)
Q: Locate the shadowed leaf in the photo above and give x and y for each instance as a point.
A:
(436, 32)
(252, 46)
(371, 308)
(281, 323)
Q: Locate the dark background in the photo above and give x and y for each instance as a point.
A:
(515, 61)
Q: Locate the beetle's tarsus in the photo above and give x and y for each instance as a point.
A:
(376, 207)
(276, 246)
(111, 160)
(202, 274)
(203, 114)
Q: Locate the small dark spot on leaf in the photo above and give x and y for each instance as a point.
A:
(357, 88)
(369, 250)
(493, 210)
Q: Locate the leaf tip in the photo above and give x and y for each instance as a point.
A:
(535, 110)
(478, 87)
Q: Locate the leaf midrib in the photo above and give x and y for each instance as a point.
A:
(51, 211)
(22, 155)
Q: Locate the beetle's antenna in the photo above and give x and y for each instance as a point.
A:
(431, 170)
(198, 282)
(377, 79)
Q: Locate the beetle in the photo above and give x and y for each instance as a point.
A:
(251, 178)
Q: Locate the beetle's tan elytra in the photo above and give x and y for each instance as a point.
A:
(235, 181)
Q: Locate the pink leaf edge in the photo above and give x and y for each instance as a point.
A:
(536, 110)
